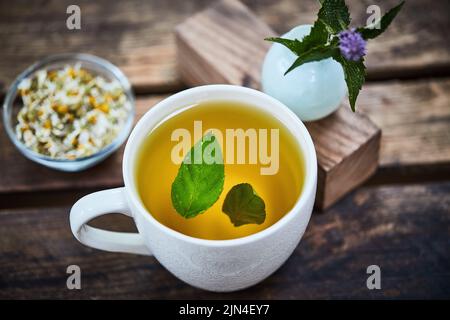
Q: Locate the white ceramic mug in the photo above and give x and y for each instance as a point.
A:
(215, 265)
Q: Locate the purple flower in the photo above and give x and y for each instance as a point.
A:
(352, 45)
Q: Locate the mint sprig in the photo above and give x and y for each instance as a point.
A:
(200, 180)
(370, 32)
(317, 37)
(330, 37)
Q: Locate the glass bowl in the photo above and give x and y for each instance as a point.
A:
(96, 66)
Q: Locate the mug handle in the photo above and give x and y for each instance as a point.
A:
(97, 204)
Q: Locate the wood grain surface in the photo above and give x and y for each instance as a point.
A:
(392, 227)
(415, 118)
(222, 44)
(138, 35)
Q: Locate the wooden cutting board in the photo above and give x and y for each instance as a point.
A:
(224, 44)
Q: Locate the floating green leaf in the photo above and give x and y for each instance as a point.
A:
(199, 181)
(244, 206)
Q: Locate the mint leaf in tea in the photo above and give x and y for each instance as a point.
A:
(244, 206)
(200, 178)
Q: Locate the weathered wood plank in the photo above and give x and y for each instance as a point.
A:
(404, 230)
(414, 117)
(221, 44)
(138, 35)
(135, 35)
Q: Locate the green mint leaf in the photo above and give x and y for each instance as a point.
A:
(292, 45)
(314, 54)
(369, 32)
(334, 15)
(316, 37)
(200, 179)
(244, 206)
(355, 73)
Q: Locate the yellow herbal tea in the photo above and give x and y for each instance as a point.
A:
(278, 183)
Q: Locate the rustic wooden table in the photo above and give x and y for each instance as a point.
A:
(399, 220)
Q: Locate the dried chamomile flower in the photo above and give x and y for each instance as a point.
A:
(70, 113)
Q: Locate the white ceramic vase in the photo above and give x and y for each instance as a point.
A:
(313, 90)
